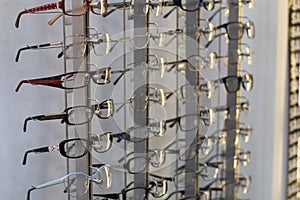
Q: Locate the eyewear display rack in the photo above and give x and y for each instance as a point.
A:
(293, 189)
(152, 68)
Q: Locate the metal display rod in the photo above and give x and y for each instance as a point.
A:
(140, 117)
(80, 97)
(231, 122)
(191, 182)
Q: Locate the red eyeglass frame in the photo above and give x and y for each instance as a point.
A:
(57, 5)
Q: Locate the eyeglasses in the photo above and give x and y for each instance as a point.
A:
(187, 152)
(130, 193)
(235, 30)
(139, 134)
(232, 83)
(135, 165)
(76, 147)
(48, 45)
(139, 102)
(242, 52)
(78, 115)
(74, 80)
(102, 177)
(190, 6)
(190, 92)
(207, 172)
(194, 62)
(67, 8)
(243, 106)
(243, 133)
(242, 156)
(191, 121)
(242, 183)
(100, 44)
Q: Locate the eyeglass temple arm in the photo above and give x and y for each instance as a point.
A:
(117, 5)
(175, 63)
(170, 12)
(50, 6)
(43, 118)
(29, 192)
(109, 196)
(54, 19)
(218, 35)
(215, 13)
(38, 150)
(49, 44)
(172, 121)
(120, 76)
(53, 81)
(120, 107)
(162, 177)
(121, 136)
(123, 158)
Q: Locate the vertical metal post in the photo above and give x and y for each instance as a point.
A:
(191, 183)
(231, 122)
(80, 97)
(140, 117)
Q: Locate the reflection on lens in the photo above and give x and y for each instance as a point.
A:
(79, 115)
(208, 173)
(101, 44)
(232, 83)
(247, 82)
(75, 148)
(208, 116)
(74, 9)
(76, 80)
(139, 102)
(158, 158)
(250, 29)
(197, 62)
(187, 152)
(235, 30)
(104, 177)
(206, 147)
(138, 134)
(137, 165)
(156, 127)
(190, 5)
(188, 122)
(102, 143)
(189, 93)
(75, 50)
(102, 76)
(105, 109)
(77, 184)
(140, 41)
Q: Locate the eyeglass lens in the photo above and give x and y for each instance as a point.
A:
(79, 115)
(73, 180)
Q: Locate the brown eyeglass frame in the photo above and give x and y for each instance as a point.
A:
(53, 6)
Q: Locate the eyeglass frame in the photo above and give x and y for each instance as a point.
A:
(64, 115)
(59, 5)
(60, 147)
(61, 180)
